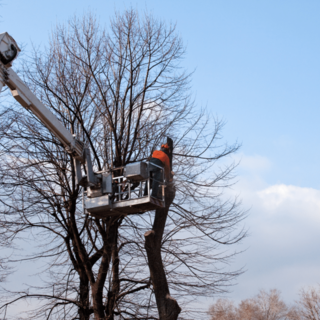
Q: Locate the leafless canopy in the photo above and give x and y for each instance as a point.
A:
(121, 90)
(268, 305)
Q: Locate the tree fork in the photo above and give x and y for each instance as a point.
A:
(168, 307)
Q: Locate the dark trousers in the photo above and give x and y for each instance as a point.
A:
(156, 179)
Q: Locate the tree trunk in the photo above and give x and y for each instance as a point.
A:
(84, 310)
(114, 291)
(168, 307)
(110, 242)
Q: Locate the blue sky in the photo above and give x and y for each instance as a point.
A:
(256, 66)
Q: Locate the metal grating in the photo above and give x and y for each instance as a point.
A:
(128, 197)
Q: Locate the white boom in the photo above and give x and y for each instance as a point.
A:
(28, 100)
(9, 51)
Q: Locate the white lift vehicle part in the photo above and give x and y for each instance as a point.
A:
(106, 193)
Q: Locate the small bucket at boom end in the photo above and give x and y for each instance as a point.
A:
(9, 50)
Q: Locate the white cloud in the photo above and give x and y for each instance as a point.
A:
(284, 222)
(287, 199)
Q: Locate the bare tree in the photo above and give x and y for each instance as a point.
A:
(264, 306)
(270, 305)
(121, 91)
(223, 309)
(309, 304)
(248, 309)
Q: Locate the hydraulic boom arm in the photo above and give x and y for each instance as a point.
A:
(28, 100)
(8, 52)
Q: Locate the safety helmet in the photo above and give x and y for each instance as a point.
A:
(165, 148)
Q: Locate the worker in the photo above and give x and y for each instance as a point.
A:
(159, 158)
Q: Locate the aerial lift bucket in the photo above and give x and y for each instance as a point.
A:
(130, 193)
(9, 51)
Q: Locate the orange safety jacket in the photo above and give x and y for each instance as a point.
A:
(163, 157)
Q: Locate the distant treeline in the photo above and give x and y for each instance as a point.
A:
(269, 306)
